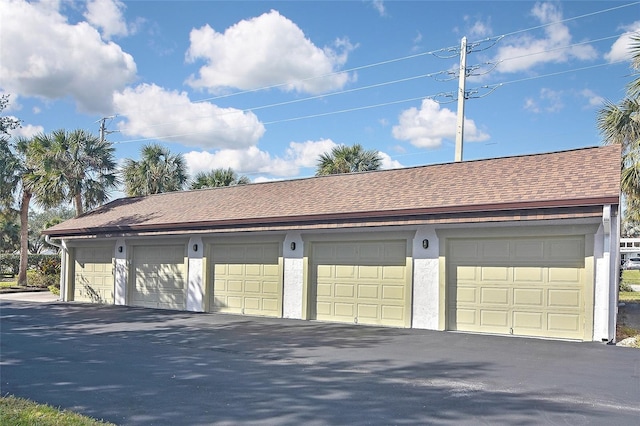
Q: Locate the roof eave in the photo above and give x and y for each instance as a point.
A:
(189, 226)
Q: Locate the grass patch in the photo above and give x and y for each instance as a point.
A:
(629, 296)
(631, 277)
(22, 412)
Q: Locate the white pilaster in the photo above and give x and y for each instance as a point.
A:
(121, 273)
(426, 279)
(293, 276)
(195, 286)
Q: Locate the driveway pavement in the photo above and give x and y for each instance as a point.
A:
(135, 366)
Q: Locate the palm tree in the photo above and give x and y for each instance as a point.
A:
(619, 124)
(218, 177)
(158, 171)
(348, 159)
(77, 167)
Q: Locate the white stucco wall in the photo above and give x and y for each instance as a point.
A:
(605, 251)
(195, 282)
(426, 280)
(121, 273)
(292, 298)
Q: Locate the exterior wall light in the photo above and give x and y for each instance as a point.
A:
(425, 244)
(293, 245)
(120, 249)
(195, 247)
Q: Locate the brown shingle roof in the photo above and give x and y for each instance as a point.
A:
(581, 177)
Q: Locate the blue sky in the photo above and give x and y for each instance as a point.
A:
(266, 87)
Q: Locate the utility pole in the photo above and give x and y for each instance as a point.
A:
(103, 127)
(461, 99)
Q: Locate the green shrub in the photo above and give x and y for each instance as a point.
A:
(55, 289)
(40, 280)
(625, 287)
(47, 263)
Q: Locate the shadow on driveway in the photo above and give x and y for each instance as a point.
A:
(136, 366)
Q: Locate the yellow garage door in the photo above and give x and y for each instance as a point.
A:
(93, 275)
(524, 286)
(159, 277)
(361, 282)
(247, 279)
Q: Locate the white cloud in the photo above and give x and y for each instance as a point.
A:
(527, 52)
(378, 5)
(477, 28)
(594, 100)
(107, 15)
(153, 112)
(388, 162)
(431, 124)
(620, 50)
(306, 154)
(265, 51)
(50, 58)
(548, 101)
(253, 161)
(26, 131)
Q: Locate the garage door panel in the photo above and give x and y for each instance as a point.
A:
(160, 276)
(324, 290)
(494, 296)
(531, 250)
(372, 272)
(564, 298)
(533, 292)
(270, 287)
(393, 292)
(466, 273)
(528, 274)
(368, 291)
(93, 280)
(344, 290)
(490, 318)
(248, 277)
(361, 282)
(467, 294)
(564, 322)
(394, 272)
(496, 250)
(528, 321)
(495, 274)
(344, 310)
(368, 312)
(345, 271)
(393, 313)
(528, 296)
(465, 316)
(565, 275)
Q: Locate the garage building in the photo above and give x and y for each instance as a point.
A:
(524, 245)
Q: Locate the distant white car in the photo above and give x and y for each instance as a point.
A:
(632, 263)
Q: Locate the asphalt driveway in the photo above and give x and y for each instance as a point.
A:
(135, 366)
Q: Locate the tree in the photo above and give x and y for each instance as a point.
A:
(348, 159)
(7, 123)
(9, 231)
(39, 221)
(620, 124)
(218, 177)
(77, 167)
(16, 174)
(158, 171)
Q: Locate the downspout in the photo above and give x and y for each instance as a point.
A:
(47, 239)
